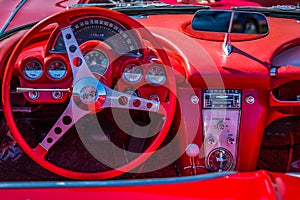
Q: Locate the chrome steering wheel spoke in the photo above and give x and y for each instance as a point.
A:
(116, 99)
(69, 117)
(79, 67)
(90, 94)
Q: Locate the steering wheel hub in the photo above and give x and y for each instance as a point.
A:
(89, 94)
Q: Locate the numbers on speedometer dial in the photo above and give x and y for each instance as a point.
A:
(97, 61)
(121, 40)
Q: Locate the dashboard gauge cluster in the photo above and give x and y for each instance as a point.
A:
(35, 69)
(154, 74)
(50, 72)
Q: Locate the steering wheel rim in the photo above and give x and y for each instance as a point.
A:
(38, 153)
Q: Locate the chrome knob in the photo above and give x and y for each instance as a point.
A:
(192, 150)
(230, 140)
(33, 95)
(211, 140)
(221, 126)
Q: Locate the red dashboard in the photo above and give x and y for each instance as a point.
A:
(90, 94)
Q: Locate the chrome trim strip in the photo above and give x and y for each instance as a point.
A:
(294, 174)
(18, 109)
(23, 90)
(12, 15)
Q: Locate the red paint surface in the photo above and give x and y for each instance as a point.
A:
(254, 185)
(247, 68)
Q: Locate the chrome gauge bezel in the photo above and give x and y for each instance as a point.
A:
(65, 70)
(26, 72)
(229, 161)
(106, 65)
(130, 67)
(150, 77)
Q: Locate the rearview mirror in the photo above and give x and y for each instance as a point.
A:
(230, 22)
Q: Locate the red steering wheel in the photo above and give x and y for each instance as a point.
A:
(89, 95)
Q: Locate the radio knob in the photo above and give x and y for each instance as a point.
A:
(221, 126)
(211, 140)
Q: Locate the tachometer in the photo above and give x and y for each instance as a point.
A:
(120, 39)
(133, 73)
(156, 74)
(97, 61)
(33, 69)
(57, 69)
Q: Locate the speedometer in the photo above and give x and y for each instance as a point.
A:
(156, 74)
(33, 69)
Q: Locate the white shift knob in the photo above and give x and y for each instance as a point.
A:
(192, 150)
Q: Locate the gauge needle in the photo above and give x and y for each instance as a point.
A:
(220, 159)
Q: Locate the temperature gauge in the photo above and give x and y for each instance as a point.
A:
(57, 69)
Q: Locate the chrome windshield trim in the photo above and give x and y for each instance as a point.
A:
(12, 15)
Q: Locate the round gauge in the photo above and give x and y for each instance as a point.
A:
(97, 61)
(57, 69)
(132, 73)
(220, 159)
(132, 91)
(105, 30)
(33, 69)
(156, 75)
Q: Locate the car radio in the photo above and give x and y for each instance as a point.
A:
(221, 98)
(221, 117)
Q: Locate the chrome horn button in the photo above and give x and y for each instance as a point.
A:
(89, 94)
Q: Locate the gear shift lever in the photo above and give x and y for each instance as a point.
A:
(192, 150)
